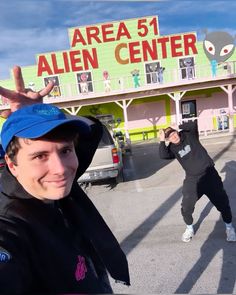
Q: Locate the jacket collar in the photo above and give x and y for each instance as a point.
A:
(11, 187)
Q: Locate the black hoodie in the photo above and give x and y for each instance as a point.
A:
(57, 247)
(190, 153)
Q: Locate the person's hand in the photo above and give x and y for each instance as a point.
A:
(23, 96)
(162, 135)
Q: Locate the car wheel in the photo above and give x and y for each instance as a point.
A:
(120, 176)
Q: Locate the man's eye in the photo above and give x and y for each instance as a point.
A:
(67, 151)
(39, 157)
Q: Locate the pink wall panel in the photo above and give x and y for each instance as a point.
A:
(146, 115)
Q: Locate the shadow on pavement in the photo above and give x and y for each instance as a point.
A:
(144, 161)
(215, 243)
(133, 239)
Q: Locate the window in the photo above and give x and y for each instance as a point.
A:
(56, 91)
(85, 82)
(188, 109)
(106, 138)
(187, 70)
(151, 72)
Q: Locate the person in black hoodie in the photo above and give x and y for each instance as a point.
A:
(52, 238)
(201, 176)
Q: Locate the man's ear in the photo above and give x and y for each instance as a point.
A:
(11, 165)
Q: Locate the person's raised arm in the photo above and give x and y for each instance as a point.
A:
(164, 151)
(189, 126)
(23, 96)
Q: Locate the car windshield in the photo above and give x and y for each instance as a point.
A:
(106, 138)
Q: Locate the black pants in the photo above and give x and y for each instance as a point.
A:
(209, 184)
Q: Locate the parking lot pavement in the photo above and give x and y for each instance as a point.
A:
(144, 214)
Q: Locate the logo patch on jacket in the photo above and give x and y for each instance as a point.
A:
(186, 150)
(4, 256)
(81, 269)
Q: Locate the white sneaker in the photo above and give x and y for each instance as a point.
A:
(230, 233)
(187, 235)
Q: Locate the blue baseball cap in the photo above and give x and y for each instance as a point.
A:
(37, 120)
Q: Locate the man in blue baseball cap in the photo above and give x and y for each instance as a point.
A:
(52, 238)
(33, 134)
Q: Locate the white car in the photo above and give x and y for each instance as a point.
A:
(107, 161)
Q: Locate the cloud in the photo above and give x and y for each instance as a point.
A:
(100, 12)
(29, 42)
(199, 7)
(24, 14)
(39, 26)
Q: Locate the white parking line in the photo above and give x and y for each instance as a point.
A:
(137, 183)
(215, 143)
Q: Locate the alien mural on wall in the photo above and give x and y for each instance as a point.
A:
(136, 78)
(106, 81)
(218, 47)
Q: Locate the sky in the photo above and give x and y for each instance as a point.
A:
(30, 27)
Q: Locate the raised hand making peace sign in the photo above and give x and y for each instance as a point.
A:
(22, 96)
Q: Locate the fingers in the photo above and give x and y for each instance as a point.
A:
(19, 82)
(161, 132)
(9, 94)
(47, 89)
(162, 135)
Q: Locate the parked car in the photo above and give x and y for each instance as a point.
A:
(123, 142)
(107, 161)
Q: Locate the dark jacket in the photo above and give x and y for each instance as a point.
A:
(60, 246)
(190, 153)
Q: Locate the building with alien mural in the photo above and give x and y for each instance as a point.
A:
(142, 79)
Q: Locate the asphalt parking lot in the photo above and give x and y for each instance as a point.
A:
(144, 214)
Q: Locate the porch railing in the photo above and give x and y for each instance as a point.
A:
(128, 83)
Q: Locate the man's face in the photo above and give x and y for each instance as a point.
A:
(174, 137)
(45, 168)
